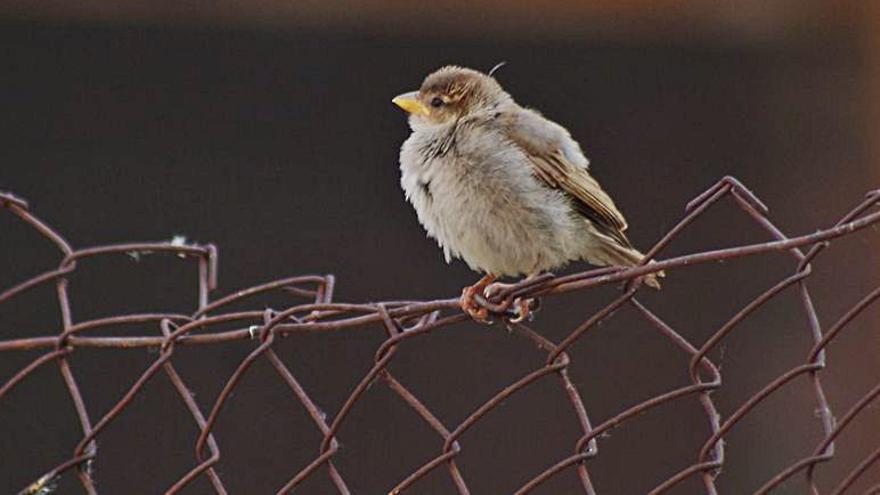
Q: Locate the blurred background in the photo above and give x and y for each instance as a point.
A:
(266, 127)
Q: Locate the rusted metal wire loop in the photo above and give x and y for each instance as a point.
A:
(314, 311)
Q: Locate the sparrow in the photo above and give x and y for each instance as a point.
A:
(502, 187)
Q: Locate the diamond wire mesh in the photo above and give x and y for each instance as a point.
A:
(406, 320)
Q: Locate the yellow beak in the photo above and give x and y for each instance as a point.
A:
(410, 102)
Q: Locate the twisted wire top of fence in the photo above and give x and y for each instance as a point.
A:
(209, 323)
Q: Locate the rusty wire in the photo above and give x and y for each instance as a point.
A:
(405, 320)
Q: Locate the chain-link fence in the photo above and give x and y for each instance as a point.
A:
(219, 321)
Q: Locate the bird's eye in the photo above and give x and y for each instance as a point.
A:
(437, 102)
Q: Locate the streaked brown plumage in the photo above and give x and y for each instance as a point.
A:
(501, 186)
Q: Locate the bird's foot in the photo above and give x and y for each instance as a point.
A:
(523, 309)
(522, 306)
(496, 288)
(469, 304)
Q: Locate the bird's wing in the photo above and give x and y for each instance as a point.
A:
(557, 161)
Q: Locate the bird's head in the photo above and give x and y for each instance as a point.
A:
(451, 93)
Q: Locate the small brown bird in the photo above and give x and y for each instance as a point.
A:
(502, 187)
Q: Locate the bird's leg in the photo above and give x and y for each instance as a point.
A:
(523, 306)
(467, 303)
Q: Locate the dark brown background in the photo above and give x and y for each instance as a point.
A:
(269, 132)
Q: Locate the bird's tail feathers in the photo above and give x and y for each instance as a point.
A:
(613, 254)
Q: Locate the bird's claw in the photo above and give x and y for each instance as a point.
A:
(523, 310)
(470, 306)
(496, 288)
(522, 307)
